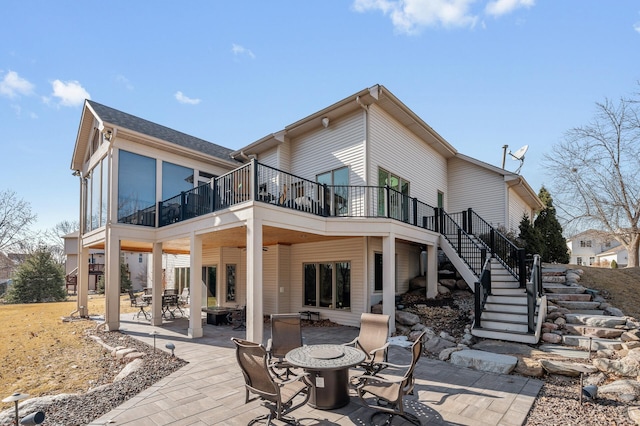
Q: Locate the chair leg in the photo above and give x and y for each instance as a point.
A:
(389, 418)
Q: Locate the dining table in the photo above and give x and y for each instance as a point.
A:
(328, 368)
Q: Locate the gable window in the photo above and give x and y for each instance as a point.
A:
(136, 186)
(585, 243)
(327, 285)
(338, 192)
(175, 179)
(398, 195)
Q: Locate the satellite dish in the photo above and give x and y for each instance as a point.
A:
(518, 155)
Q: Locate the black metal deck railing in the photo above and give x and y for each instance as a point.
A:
(262, 183)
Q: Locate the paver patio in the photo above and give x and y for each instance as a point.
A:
(210, 389)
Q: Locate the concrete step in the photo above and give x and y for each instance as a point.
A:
(591, 312)
(565, 351)
(595, 320)
(565, 289)
(488, 333)
(502, 325)
(573, 306)
(569, 297)
(559, 279)
(600, 332)
(593, 344)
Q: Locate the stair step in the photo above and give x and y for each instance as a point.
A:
(519, 299)
(590, 312)
(504, 316)
(600, 332)
(578, 305)
(510, 326)
(488, 333)
(569, 297)
(566, 289)
(595, 320)
(594, 343)
(506, 307)
(517, 291)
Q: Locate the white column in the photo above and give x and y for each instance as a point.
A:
(389, 279)
(112, 280)
(255, 322)
(195, 288)
(156, 285)
(82, 285)
(432, 272)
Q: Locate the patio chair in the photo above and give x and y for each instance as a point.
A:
(239, 318)
(138, 302)
(384, 392)
(372, 340)
(277, 395)
(286, 334)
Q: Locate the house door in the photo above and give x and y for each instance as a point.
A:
(398, 195)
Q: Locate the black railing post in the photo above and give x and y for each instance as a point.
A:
(459, 242)
(415, 211)
(254, 170)
(436, 222)
(159, 215)
(183, 206)
(531, 307)
(478, 305)
(492, 242)
(388, 200)
(465, 224)
(325, 202)
(522, 268)
(470, 221)
(214, 194)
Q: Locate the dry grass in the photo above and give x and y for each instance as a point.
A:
(41, 355)
(621, 287)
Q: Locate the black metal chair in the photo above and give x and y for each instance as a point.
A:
(384, 392)
(281, 397)
(138, 302)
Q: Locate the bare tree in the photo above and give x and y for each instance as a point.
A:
(53, 238)
(596, 171)
(15, 220)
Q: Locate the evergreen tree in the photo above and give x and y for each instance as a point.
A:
(39, 279)
(553, 244)
(530, 237)
(125, 281)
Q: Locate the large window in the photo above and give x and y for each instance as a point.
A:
(327, 285)
(96, 197)
(175, 179)
(377, 275)
(338, 182)
(136, 184)
(398, 196)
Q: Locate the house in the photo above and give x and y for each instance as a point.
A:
(332, 214)
(596, 248)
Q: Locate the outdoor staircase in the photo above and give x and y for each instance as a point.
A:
(505, 314)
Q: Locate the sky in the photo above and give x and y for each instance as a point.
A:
(481, 73)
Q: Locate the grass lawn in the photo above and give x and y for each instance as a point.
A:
(42, 355)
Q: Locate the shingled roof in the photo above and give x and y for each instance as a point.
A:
(131, 122)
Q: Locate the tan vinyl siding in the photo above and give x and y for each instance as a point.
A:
(269, 158)
(339, 145)
(331, 251)
(472, 186)
(269, 281)
(397, 150)
(517, 208)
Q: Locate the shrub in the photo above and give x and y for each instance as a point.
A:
(614, 264)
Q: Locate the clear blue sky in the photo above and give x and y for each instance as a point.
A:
(482, 73)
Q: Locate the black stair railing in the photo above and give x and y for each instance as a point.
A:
(481, 292)
(467, 249)
(501, 248)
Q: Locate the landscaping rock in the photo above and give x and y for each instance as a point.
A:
(484, 361)
(407, 318)
(565, 368)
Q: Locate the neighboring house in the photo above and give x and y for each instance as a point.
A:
(9, 263)
(137, 264)
(333, 213)
(596, 248)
